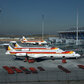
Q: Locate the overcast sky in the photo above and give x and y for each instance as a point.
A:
(25, 16)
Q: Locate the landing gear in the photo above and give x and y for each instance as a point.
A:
(29, 60)
(37, 44)
(52, 58)
(26, 58)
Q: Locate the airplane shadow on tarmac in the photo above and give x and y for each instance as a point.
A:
(22, 59)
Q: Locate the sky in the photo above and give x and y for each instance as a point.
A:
(25, 16)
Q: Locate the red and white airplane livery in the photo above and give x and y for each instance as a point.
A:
(24, 40)
(41, 54)
(18, 47)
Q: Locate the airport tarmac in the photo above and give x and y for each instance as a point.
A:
(52, 73)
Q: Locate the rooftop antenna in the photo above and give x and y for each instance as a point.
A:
(42, 27)
(77, 29)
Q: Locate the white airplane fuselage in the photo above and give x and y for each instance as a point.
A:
(35, 42)
(48, 54)
(24, 40)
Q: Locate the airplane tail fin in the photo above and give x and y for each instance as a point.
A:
(23, 39)
(8, 48)
(15, 44)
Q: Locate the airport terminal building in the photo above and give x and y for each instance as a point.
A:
(69, 36)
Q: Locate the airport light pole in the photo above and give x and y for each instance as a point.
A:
(0, 13)
(42, 27)
(77, 30)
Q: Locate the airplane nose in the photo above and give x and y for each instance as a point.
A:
(78, 55)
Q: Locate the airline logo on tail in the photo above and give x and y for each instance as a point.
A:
(23, 39)
(16, 45)
(9, 48)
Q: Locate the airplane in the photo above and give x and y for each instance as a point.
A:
(24, 40)
(18, 47)
(40, 54)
